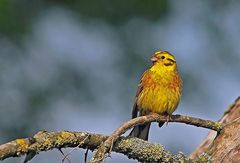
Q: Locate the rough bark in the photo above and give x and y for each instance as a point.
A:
(225, 146)
(106, 146)
(44, 141)
(221, 147)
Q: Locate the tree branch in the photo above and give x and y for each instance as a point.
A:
(104, 148)
(230, 135)
(44, 141)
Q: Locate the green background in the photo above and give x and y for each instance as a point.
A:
(75, 65)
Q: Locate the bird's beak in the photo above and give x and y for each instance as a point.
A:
(153, 59)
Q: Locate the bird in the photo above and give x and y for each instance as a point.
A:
(159, 91)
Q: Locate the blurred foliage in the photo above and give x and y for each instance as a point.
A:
(86, 56)
(118, 12)
(16, 16)
(13, 22)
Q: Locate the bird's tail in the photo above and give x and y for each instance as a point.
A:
(140, 131)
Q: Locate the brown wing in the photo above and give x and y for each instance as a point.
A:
(135, 107)
(139, 90)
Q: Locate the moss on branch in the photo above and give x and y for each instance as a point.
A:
(105, 147)
(131, 147)
(43, 141)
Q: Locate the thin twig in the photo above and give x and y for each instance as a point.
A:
(104, 148)
(66, 156)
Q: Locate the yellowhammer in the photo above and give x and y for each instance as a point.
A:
(159, 91)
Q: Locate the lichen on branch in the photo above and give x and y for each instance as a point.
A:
(131, 147)
(106, 146)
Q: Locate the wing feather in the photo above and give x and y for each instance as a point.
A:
(139, 90)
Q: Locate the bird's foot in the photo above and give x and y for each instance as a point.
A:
(168, 119)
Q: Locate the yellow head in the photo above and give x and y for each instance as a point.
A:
(164, 60)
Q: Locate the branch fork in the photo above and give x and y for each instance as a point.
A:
(106, 146)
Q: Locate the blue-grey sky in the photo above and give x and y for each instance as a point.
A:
(88, 79)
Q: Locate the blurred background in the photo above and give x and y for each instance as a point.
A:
(75, 65)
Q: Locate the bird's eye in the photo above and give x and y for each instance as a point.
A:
(162, 57)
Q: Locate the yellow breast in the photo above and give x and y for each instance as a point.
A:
(159, 94)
